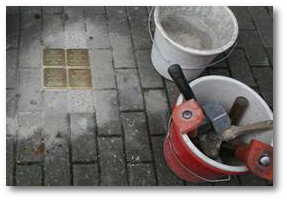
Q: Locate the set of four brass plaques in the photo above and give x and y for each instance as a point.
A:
(66, 69)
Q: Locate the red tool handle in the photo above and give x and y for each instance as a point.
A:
(258, 157)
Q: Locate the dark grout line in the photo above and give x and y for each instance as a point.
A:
(84, 162)
(131, 111)
(109, 136)
(140, 162)
(70, 151)
(144, 103)
(29, 163)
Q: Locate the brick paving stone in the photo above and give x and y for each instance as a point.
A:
(28, 175)
(30, 95)
(52, 9)
(11, 117)
(12, 10)
(138, 18)
(103, 74)
(251, 180)
(97, 27)
(80, 101)
(120, 38)
(219, 71)
(11, 65)
(157, 111)
(129, 89)
(263, 23)
(239, 67)
(9, 160)
(12, 31)
(172, 92)
(164, 174)
(243, 17)
(111, 158)
(264, 78)
(95, 10)
(149, 76)
(141, 174)
(83, 129)
(75, 34)
(270, 55)
(136, 137)
(30, 9)
(107, 112)
(30, 41)
(53, 31)
(30, 143)
(85, 175)
(254, 49)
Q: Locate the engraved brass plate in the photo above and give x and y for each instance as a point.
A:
(55, 78)
(79, 78)
(54, 57)
(78, 57)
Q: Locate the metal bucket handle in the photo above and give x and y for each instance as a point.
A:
(214, 63)
(228, 178)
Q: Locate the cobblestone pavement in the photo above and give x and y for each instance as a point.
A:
(112, 134)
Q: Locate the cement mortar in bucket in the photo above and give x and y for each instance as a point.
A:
(224, 91)
(191, 37)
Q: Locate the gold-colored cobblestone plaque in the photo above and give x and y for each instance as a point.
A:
(79, 78)
(78, 57)
(54, 57)
(55, 78)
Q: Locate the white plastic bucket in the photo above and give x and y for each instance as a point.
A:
(224, 91)
(191, 37)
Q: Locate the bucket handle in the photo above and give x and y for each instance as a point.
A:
(214, 63)
(228, 178)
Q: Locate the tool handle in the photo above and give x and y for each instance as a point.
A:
(178, 77)
(235, 131)
(238, 109)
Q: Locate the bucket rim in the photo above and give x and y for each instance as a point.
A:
(198, 51)
(194, 149)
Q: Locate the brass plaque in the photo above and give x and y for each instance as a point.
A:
(78, 57)
(55, 78)
(79, 78)
(54, 57)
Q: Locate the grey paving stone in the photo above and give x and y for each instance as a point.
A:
(95, 10)
(30, 96)
(85, 175)
(270, 55)
(111, 158)
(172, 92)
(164, 174)
(103, 75)
(120, 38)
(149, 8)
(11, 66)
(251, 180)
(198, 184)
(30, 9)
(138, 18)
(243, 17)
(157, 111)
(264, 78)
(12, 31)
(28, 175)
(9, 160)
(30, 41)
(270, 11)
(233, 182)
(129, 89)
(80, 101)
(254, 49)
(219, 71)
(30, 142)
(52, 9)
(107, 112)
(83, 129)
(263, 23)
(97, 28)
(12, 10)
(136, 137)
(55, 101)
(75, 34)
(11, 117)
(53, 31)
(149, 76)
(240, 69)
(141, 174)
